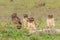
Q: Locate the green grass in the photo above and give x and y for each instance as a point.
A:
(19, 35)
(8, 31)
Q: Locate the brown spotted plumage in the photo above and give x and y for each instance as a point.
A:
(31, 25)
(25, 18)
(50, 24)
(16, 20)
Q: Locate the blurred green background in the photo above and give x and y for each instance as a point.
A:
(33, 8)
